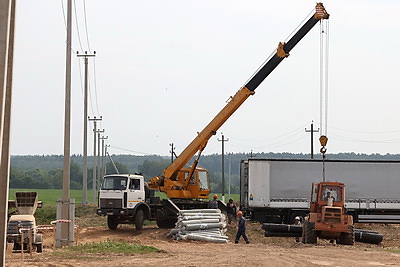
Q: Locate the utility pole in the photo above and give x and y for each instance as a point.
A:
(65, 207)
(7, 26)
(105, 154)
(98, 158)
(94, 187)
(223, 140)
(229, 174)
(102, 156)
(172, 151)
(312, 131)
(85, 121)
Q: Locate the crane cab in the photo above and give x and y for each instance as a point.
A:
(198, 185)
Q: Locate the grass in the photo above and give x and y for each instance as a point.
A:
(50, 196)
(101, 249)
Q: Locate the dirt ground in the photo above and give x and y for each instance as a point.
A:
(262, 251)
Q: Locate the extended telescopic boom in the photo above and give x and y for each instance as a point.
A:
(200, 142)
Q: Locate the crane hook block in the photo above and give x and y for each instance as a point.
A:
(323, 140)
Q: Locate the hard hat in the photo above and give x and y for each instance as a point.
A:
(239, 213)
(297, 218)
(215, 196)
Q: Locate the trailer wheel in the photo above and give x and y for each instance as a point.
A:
(139, 219)
(309, 235)
(112, 222)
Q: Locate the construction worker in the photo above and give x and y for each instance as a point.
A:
(231, 211)
(241, 228)
(213, 204)
(297, 221)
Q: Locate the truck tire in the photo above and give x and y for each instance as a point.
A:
(309, 235)
(139, 219)
(347, 238)
(166, 223)
(112, 222)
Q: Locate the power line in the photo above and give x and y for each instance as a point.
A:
(364, 132)
(77, 27)
(133, 151)
(86, 27)
(63, 10)
(95, 86)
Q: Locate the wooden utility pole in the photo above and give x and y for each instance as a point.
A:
(85, 121)
(172, 152)
(102, 157)
(223, 140)
(7, 26)
(312, 131)
(94, 188)
(98, 177)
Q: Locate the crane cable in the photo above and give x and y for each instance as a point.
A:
(324, 56)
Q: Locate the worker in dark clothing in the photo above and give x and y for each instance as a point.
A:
(241, 228)
(213, 204)
(231, 211)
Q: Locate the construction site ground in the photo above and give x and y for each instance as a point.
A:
(262, 251)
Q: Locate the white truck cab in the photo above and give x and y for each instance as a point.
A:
(122, 197)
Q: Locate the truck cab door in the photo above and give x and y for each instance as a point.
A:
(135, 192)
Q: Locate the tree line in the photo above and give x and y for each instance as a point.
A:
(46, 171)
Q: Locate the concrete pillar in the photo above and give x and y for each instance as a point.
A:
(7, 14)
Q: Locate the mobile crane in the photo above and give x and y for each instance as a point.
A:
(126, 198)
(192, 183)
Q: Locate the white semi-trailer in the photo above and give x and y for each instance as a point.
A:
(274, 190)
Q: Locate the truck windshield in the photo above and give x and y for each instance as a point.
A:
(114, 183)
(203, 179)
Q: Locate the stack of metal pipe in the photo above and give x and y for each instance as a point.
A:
(201, 224)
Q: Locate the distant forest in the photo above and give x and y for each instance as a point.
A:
(45, 171)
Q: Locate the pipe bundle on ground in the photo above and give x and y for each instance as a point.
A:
(201, 224)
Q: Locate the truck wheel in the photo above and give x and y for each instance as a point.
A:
(112, 222)
(347, 238)
(166, 223)
(139, 219)
(39, 248)
(309, 235)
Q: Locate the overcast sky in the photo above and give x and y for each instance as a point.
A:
(164, 69)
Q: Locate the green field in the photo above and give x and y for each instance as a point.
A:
(49, 197)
